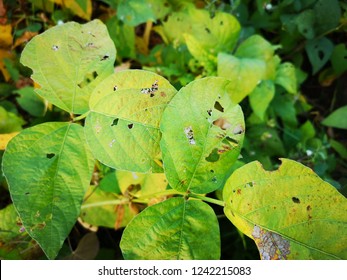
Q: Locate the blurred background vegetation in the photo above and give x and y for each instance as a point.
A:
(304, 118)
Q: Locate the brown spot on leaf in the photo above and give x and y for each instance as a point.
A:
(271, 246)
(238, 191)
(308, 208)
(222, 123)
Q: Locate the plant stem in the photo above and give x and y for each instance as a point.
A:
(103, 203)
(207, 199)
(81, 117)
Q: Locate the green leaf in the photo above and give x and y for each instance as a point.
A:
(9, 228)
(261, 97)
(290, 213)
(337, 119)
(339, 148)
(68, 61)
(339, 59)
(48, 168)
(135, 12)
(286, 77)
(319, 52)
(256, 47)
(239, 70)
(109, 183)
(175, 229)
(106, 209)
(9, 122)
(31, 102)
(305, 23)
(123, 126)
(123, 37)
(202, 135)
(327, 15)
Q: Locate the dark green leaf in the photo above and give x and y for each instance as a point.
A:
(48, 168)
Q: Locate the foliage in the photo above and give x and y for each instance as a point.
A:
(226, 88)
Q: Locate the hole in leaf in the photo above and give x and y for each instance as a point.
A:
(190, 135)
(214, 180)
(218, 107)
(208, 30)
(55, 47)
(209, 112)
(115, 122)
(222, 123)
(50, 155)
(308, 208)
(115, 88)
(295, 199)
(320, 55)
(238, 130)
(105, 57)
(130, 125)
(231, 140)
(27, 193)
(213, 156)
(212, 171)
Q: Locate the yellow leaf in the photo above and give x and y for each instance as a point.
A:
(3, 70)
(6, 35)
(81, 8)
(24, 38)
(5, 138)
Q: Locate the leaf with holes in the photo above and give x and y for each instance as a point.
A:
(68, 61)
(123, 126)
(174, 229)
(319, 52)
(290, 213)
(203, 132)
(48, 168)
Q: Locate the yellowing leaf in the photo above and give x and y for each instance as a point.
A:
(290, 213)
(3, 70)
(81, 8)
(24, 38)
(5, 138)
(6, 35)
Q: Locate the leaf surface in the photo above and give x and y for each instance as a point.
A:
(48, 168)
(123, 126)
(174, 229)
(337, 119)
(68, 61)
(290, 213)
(202, 132)
(106, 209)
